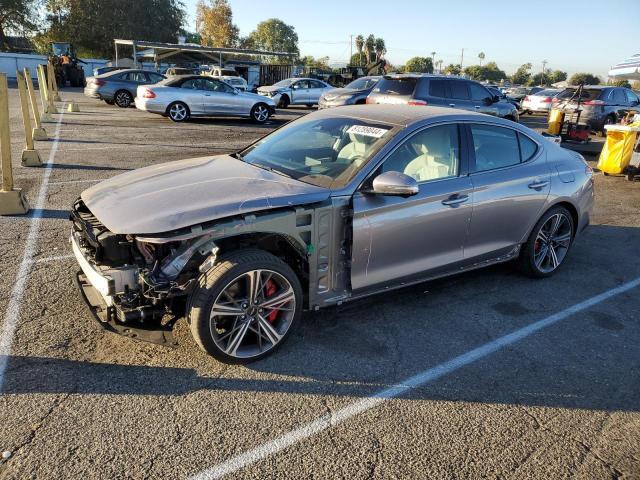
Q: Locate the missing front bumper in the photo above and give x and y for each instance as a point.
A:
(158, 333)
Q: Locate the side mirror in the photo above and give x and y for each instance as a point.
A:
(236, 91)
(395, 183)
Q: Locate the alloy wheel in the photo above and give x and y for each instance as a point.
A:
(178, 112)
(552, 242)
(252, 314)
(123, 99)
(261, 113)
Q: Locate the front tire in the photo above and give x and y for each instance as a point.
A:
(245, 306)
(548, 244)
(284, 101)
(123, 99)
(178, 112)
(260, 113)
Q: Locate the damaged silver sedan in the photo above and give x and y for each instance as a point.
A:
(337, 205)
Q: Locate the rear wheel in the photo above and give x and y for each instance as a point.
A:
(123, 99)
(548, 244)
(109, 102)
(178, 112)
(245, 307)
(260, 113)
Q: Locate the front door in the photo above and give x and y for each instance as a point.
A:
(395, 237)
(300, 92)
(511, 181)
(219, 98)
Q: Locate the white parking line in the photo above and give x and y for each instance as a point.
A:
(66, 182)
(54, 259)
(327, 421)
(12, 313)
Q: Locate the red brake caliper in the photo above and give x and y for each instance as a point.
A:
(269, 289)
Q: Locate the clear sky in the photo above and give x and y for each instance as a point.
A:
(572, 36)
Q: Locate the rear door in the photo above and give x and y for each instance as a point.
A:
(300, 92)
(437, 91)
(316, 89)
(511, 183)
(459, 95)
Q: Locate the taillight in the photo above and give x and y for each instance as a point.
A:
(416, 102)
(98, 82)
(148, 93)
(546, 100)
(594, 102)
(369, 101)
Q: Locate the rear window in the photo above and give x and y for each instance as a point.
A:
(587, 94)
(547, 93)
(459, 90)
(438, 88)
(396, 86)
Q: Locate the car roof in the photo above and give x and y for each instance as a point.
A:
(591, 87)
(399, 115)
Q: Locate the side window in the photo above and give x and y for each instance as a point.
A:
(217, 86)
(618, 97)
(438, 88)
(316, 84)
(154, 77)
(495, 147)
(430, 154)
(459, 90)
(528, 147)
(478, 92)
(301, 85)
(632, 98)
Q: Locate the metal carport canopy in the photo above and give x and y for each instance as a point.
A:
(175, 52)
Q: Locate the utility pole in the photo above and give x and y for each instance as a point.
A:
(544, 64)
(350, 49)
(461, 59)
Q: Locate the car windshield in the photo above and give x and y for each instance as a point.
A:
(283, 83)
(587, 94)
(547, 93)
(326, 152)
(397, 86)
(362, 84)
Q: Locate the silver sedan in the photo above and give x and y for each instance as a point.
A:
(180, 98)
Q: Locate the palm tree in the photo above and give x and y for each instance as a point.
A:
(481, 57)
(380, 48)
(369, 46)
(433, 57)
(359, 46)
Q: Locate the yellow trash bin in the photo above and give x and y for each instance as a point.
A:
(556, 118)
(618, 148)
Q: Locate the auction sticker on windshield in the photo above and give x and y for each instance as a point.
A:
(367, 131)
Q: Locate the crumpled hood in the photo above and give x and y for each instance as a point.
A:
(271, 88)
(336, 92)
(178, 194)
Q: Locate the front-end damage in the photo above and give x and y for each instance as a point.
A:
(139, 285)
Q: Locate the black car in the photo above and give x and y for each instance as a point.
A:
(600, 105)
(497, 92)
(352, 94)
(441, 91)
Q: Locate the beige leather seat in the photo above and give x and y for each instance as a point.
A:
(435, 161)
(355, 150)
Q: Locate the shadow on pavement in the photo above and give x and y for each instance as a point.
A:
(66, 166)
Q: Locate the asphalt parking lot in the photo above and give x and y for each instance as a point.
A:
(558, 400)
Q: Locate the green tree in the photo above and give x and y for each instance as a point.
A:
(584, 79)
(619, 83)
(556, 76)
(419, 65)
(89, 24)
(539, 79)
(359, 47)
(490, 72)
(369, 47)
(452, 69)
(522, 75)
(276, 36)
(636, 85)
(380, 48)
(215, 24)
(15, 15)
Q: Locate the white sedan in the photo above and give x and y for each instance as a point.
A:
(539, 102)
(296, 91)
(180, 98)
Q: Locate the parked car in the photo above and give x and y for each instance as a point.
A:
(296, 91)
(518, 93)
(353, 93)
(120, 86)
(174, 71)
(336, 205)
(236, 82)
(180, 98)
(503, 98)
(100, 70)
(437, 90)
(601, 105)
(539, 102)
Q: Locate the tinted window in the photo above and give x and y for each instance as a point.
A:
(194, 84)
(438, 88)
(618, 97)
(459, 90)
(495, 147)
(362, 83)
(528, 147)
(587, 94)
(155, 77)
(396, 86)
(135, 76)
(431, 154)
(316, 84)
(631, 97)
(479, 93)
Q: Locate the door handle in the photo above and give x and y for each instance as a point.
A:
(207, 94)
(477, 107)
(452, 104)
(455, 200)
(538, 185)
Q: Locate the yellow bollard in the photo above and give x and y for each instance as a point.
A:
(42, 86)
(12, 200)
(30, 156)
(73, 107)
(39, 133)
(54, 84)
(50, 93)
